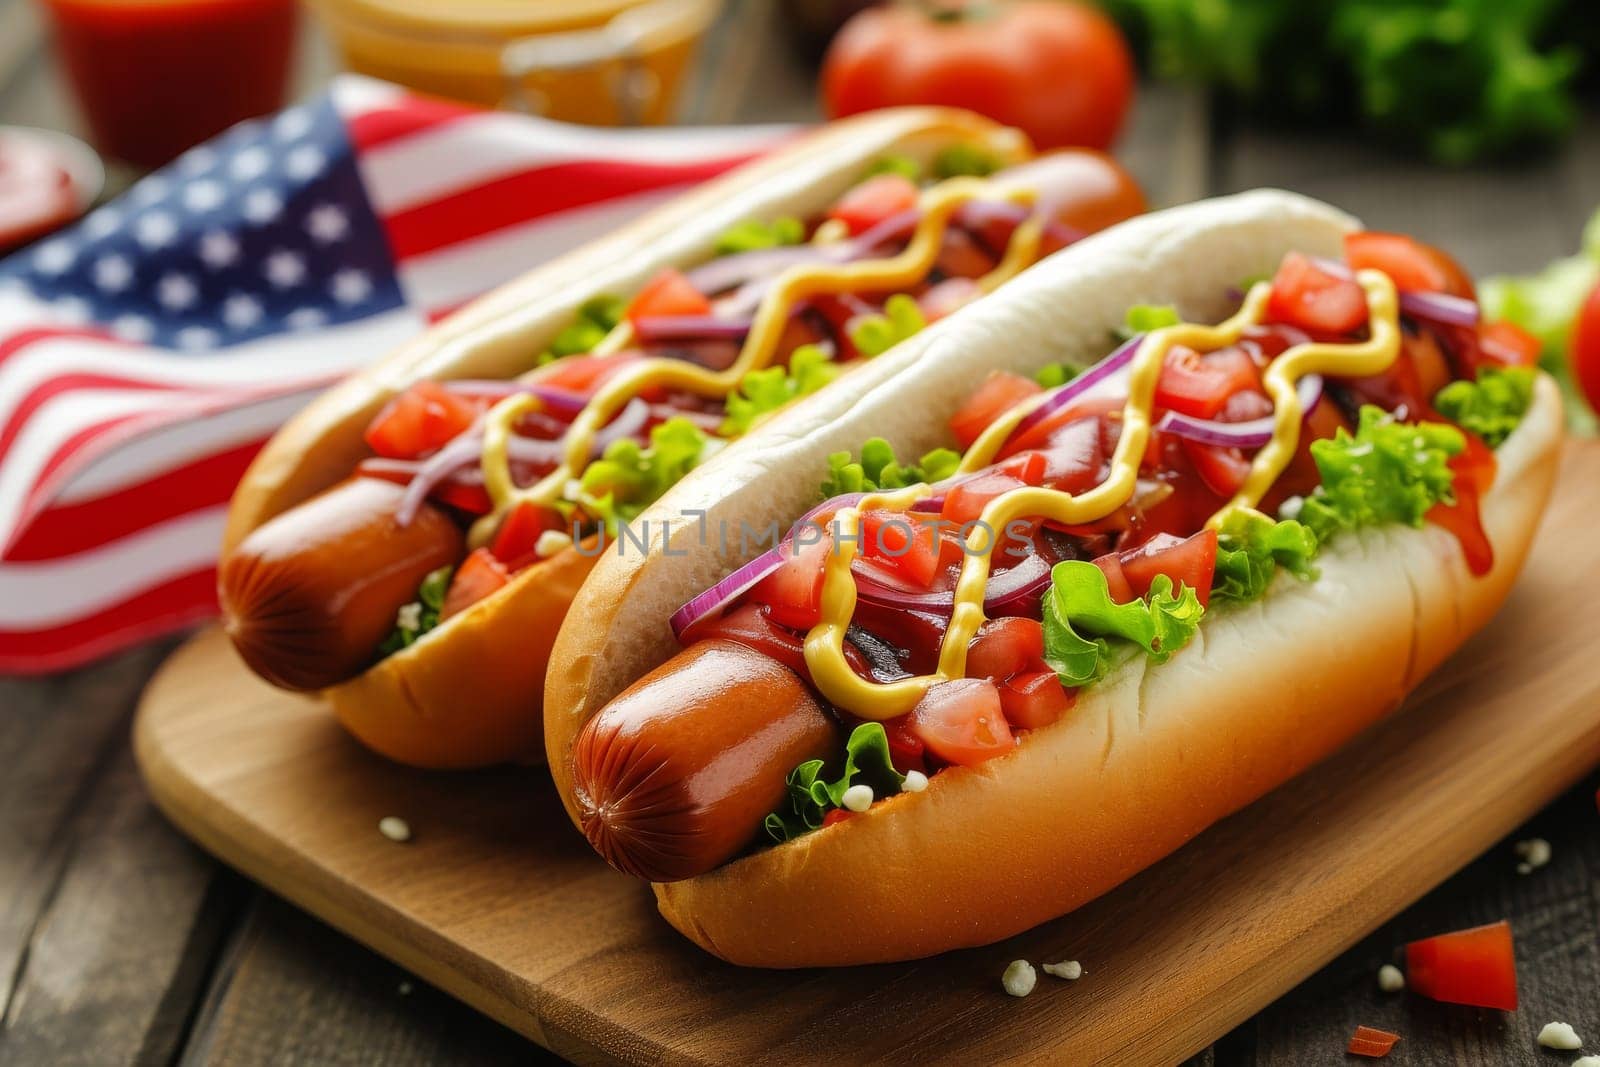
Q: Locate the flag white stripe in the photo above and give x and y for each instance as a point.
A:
(36, 596)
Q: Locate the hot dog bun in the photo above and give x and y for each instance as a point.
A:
(468, 693)
(1148, 757)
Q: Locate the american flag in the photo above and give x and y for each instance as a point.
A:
(150, 350)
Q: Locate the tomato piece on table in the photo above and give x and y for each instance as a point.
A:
(516, 542)
(902, 541)
(1372, 1043)
(669, 293)
(1034, 699)
(1416, 267)
(961, 722)
(1222, 468)
(1187, 561)
(999, 393)
(793, 592)
(1199, 385)
(1476, 967)
(479, 575)
(1003, 647)
(1509, 344)
(1306, 295)
(880, 197)
(1585, 352)
(425, 417)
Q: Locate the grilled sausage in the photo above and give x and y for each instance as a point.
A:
(675, 776)
(309, 596)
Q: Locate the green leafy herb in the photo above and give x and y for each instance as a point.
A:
(811, 796)
(421, 615)
(904, 166)
(1143, 318)
(1054, 374)
(873, 335)
(878, 469)
(627, 478)
(1081, 621)
(764, 391)
(1546, 304)
(1490, 407)
(597, 317)
(1251, 548)
(754, 235)
(1389, 471)
(964, 160)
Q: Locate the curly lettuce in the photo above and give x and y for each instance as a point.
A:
(1490, 407)
(873, 335)
(629, 478)
(1388, 471)
(1085, 631)
(964, 160)
(753, 235)
(811, 796)
(597, 317)
(902, 165)
(421, 615)
(879, 469)
(764, 391)
(1250, 550)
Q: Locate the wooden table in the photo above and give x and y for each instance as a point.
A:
(120, 942)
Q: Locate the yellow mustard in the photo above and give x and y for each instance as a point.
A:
(938, 205)
(824, 644)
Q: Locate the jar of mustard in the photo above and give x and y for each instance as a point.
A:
(603, 62)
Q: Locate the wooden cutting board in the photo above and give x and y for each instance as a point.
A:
(497, 900)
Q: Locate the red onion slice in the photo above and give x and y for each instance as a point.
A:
(465, 448)
(555, 400)
(1099, 372)
(1030, 575)
(654, 328)
(1252, 434)
(629, 422)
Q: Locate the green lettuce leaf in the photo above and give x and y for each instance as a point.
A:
(874, 335)
(764, 391)
(811, 796)
(625, 480)
(904, 166)
(1083, 625)
(421, 615)
(964, 160)
(1490, 407)
(596, 317)
(1389, 471)
(1054, 374)
(1251, 548)
(878, 469)
(753, 235)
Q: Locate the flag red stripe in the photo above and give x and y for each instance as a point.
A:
(67, 529)
(10, 346)
(149, 613)
(406, 117)
(531, 194)
(52, 388)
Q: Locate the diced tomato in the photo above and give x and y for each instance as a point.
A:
(1306, 295)
(516, 541)
(1223, 469)
(1476, 967)
(584, 374)
(1077, 440)
(1116, 581)
(999, 393)
(793, 592)
(1374, 1044)
(906, 750)
(1474, 469)
(965, 501)
(903, 542)
(961, 722)
(1033, 700)
(468, 496)
(1200, 385)
(880, 197)
(1415, 267)
(838, 815)
(479, 575)
(948, 296)
(1003, 647)
(669, 293)
(1508, 344)
(962, 258)
(425, 417)
(1191, 561)
(751, 625)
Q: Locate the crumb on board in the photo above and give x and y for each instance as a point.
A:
(1390, 980)
(1071, 970)
(394, 828)
(1535, 853)
(1019, 978)
(1561, 1036)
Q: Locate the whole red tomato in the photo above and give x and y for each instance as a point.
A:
(1057, 69)
(1585, 352)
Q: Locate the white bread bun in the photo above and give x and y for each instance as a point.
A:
(469, 692)
(1147, 758)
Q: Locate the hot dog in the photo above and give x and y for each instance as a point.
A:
(296, 609)
(721, 751)
(547, 417)
(1138, 591)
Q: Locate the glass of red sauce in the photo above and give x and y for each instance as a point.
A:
(155, 77)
